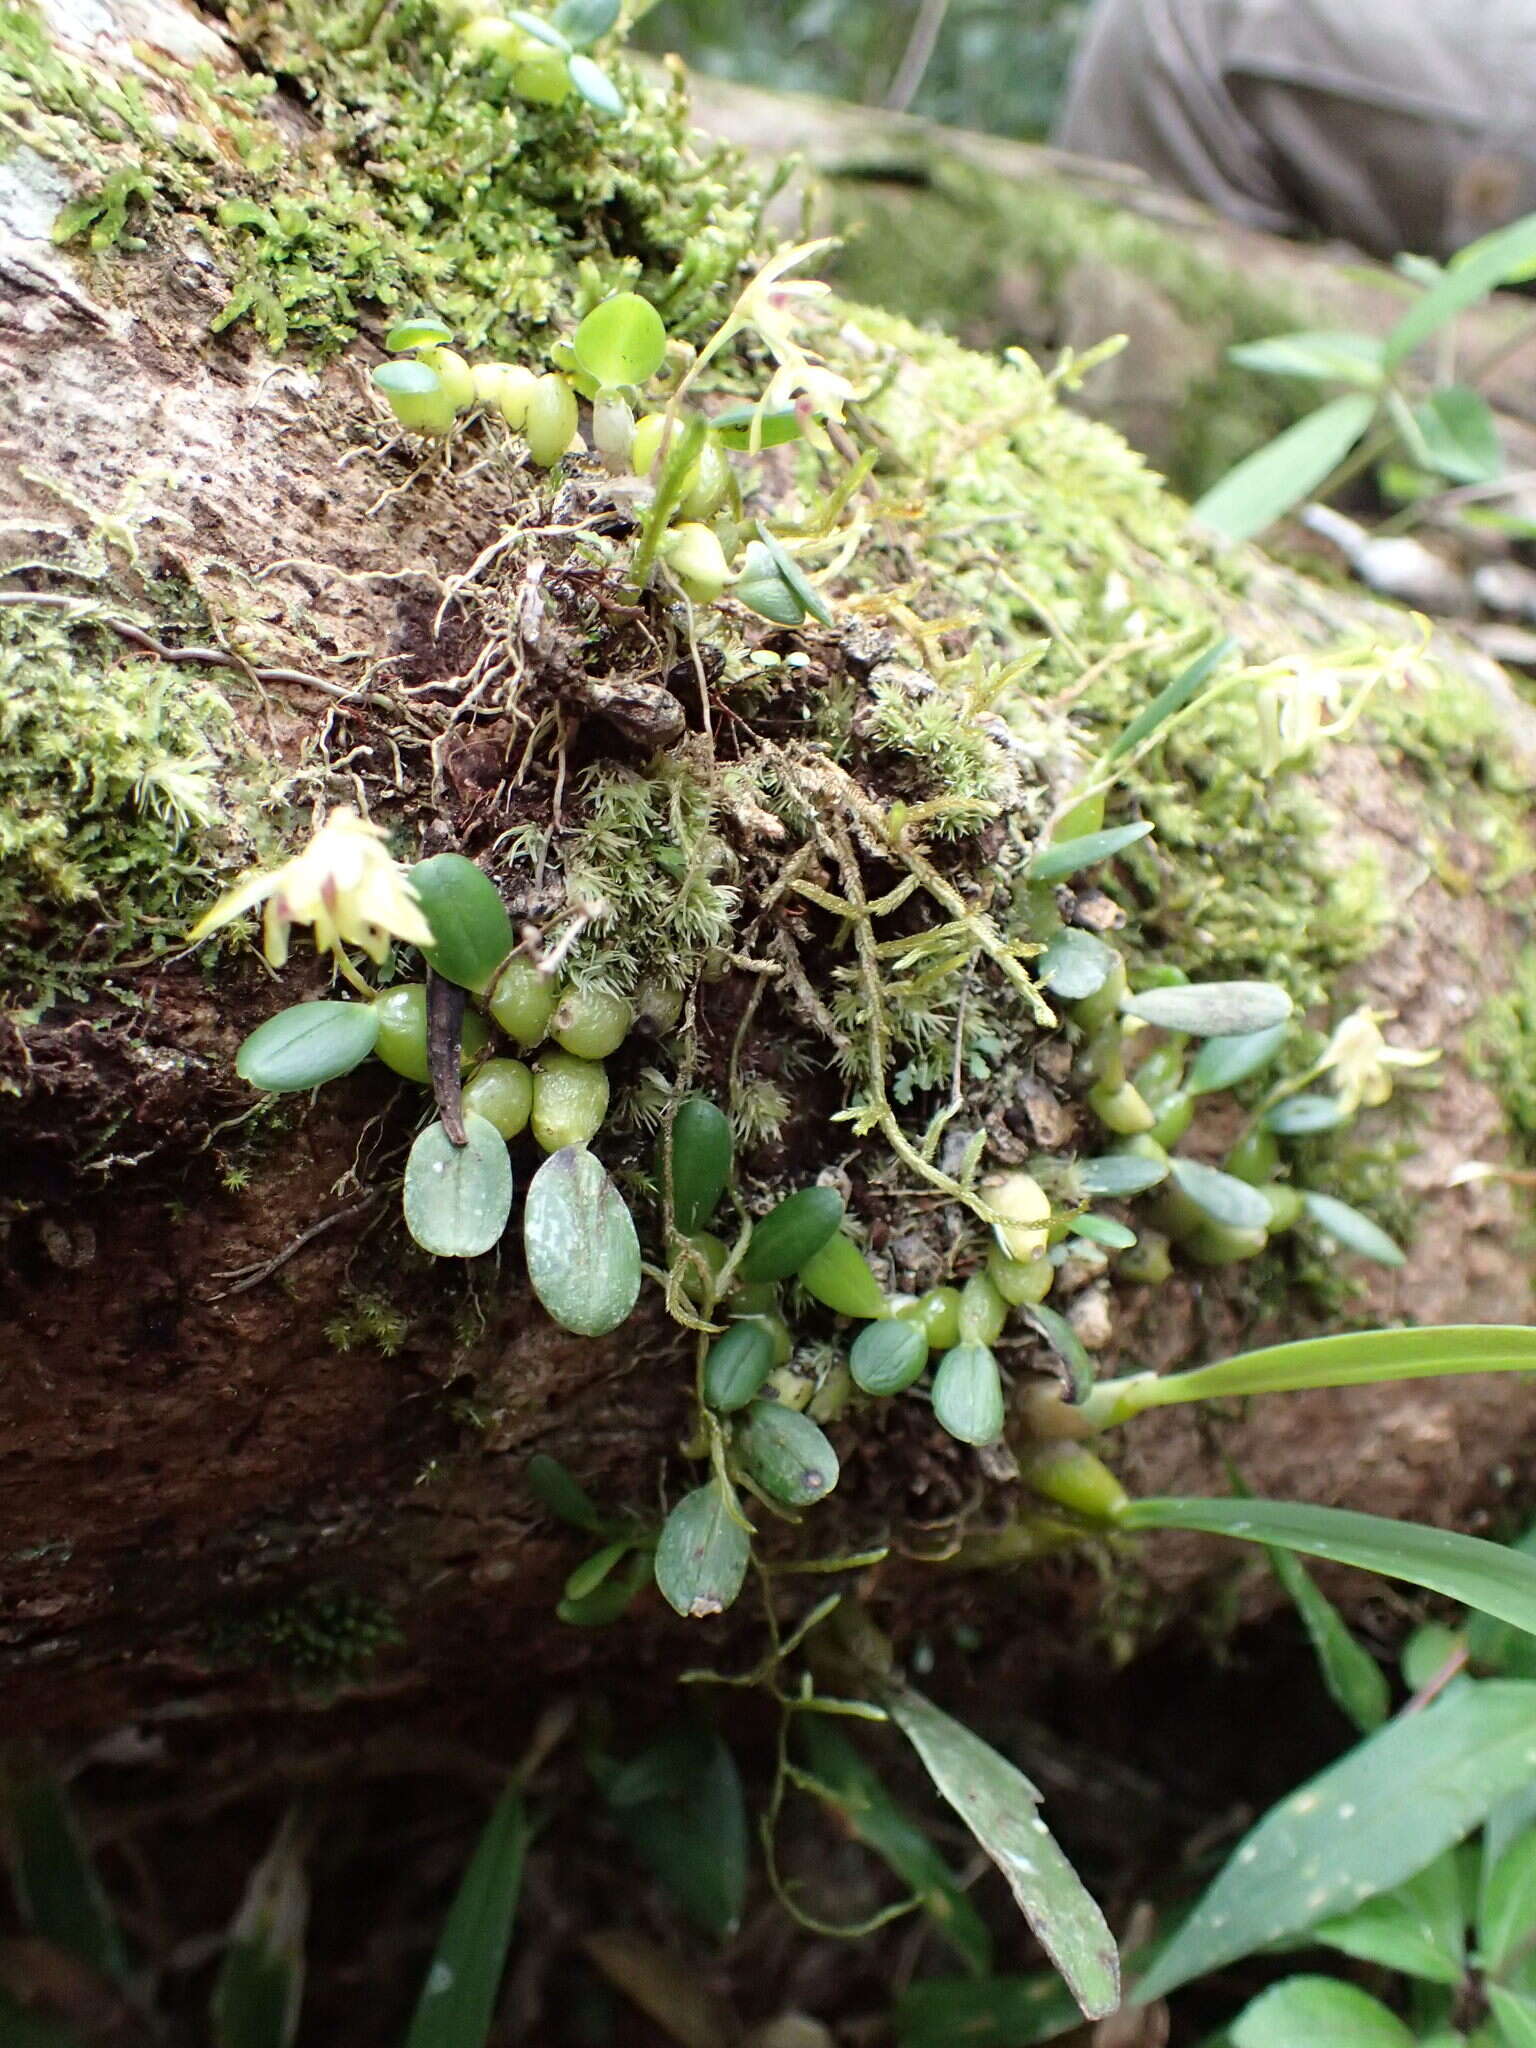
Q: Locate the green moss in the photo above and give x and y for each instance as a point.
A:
(1503, 1052)
(113, 777)
(320, 1638)
(1035, 517)
(368, 1319)
(947, 244)
(422, 182)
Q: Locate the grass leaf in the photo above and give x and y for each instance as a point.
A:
(1375, 1818)
(1488, 1576)
(1279, 475)
(458, 2000)
(1000, 1807)
(57, 1890)
(856, 1792)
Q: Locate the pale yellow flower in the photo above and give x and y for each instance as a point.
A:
(346, 883)
(1361, 1060)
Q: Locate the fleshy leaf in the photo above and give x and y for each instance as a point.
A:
(1221, 1196)
(1069, 856)
(580, 1243)
(1075, 964)
(458, 1197)
(701, 1559)
(307, 1045)
(1355, 1232)
(1212, 1009)
(1228, 1058)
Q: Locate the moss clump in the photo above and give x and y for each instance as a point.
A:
(939, 247)
(1503, 1052)
(1034, 517)
(320, 1638)
(422, 181)
(111, 774)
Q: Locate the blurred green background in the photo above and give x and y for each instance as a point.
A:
(997, 64)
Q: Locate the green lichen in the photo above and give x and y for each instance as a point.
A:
(421, 183)
(114, 776)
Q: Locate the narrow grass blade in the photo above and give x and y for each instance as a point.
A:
(458, 2000)
(1488, 1576)
(1286, 470)
(1357, 1358)
(1181, 691)
(57, 1888)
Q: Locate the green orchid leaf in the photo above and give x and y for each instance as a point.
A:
(1075, 964)
(1001, 1808)
(1315, 2010)
(868, 1812)
(458, 1197)
(1212, 1009)
(1225, 1060)
(310, 1044)
(702, 1557)
(580, 1243)
(1488, 1576)
(1355, 1232)
(1275, 479)
(1066, 857)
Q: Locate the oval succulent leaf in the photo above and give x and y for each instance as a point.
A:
(1212, 1009)
(736, 1367)
(702, 1150)
(471, 931)
(787, 1454)
(1225, 1060)
(1300, 1116)
(458, 1197)
(1221, 1196)
(794, 576)
(840, 1278)
(585, 21)
(1074, 965)
(701, 1559)
(621, 341)
(1120, 1174)
(791, 1233)
(761, 588)
(425, 331)
(1070, 856)
(968, 1394)
(601, 94)
(407, 380)
(888, 1357)
(311, 1043)
(580, 1243)
(1355, 1232)
(1105, 1230)
(541, 30)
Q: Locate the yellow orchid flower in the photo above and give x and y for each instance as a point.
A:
(345, 882)
(1361, 1060)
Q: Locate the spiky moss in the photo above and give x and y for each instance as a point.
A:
(423, 182)
(1034, 517)
(936, 249)
(114, 774)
